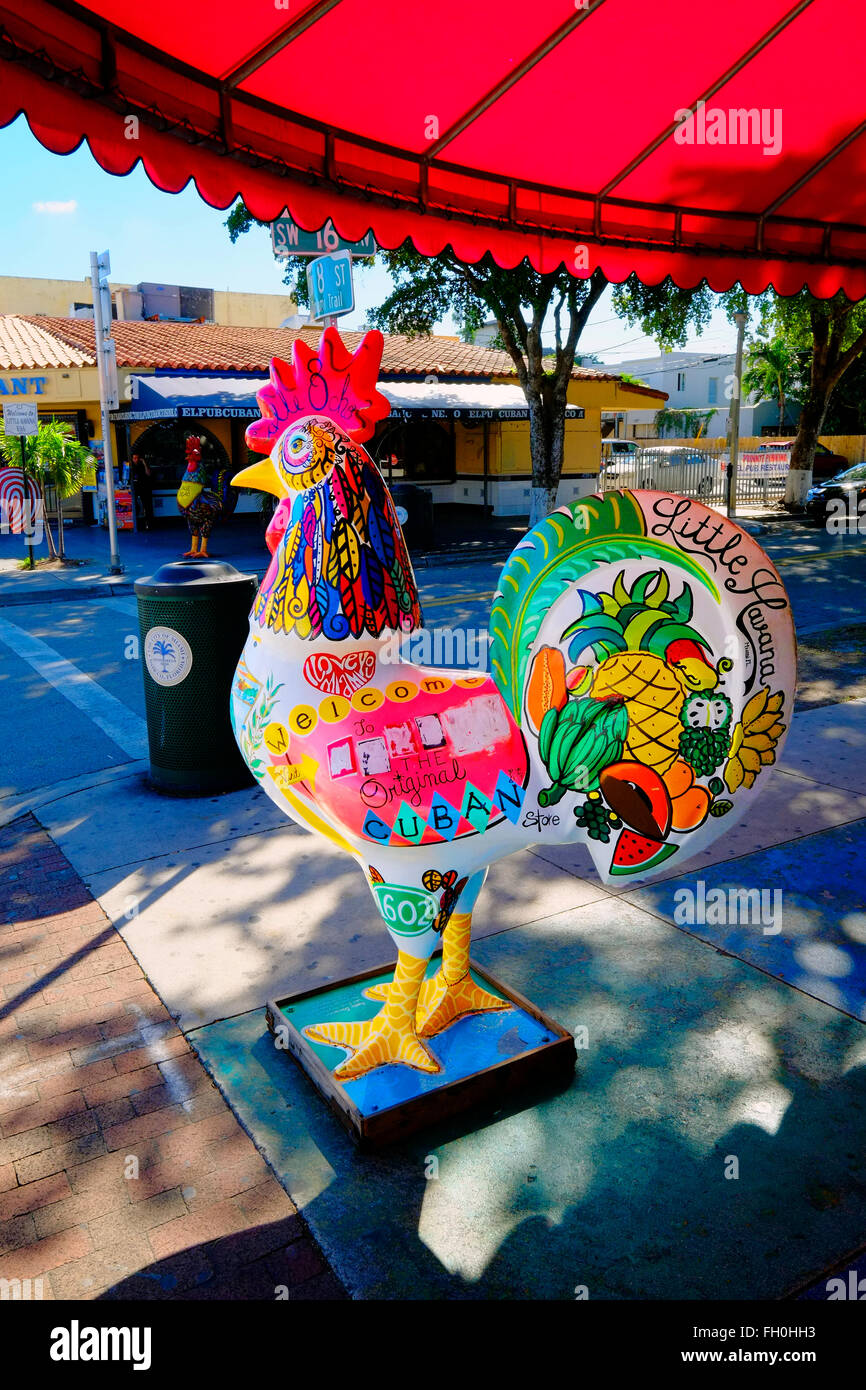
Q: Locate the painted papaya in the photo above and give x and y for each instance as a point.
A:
(638, 796)
(546, 688)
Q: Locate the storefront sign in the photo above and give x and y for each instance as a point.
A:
(125, 416)
(22, 385)
(461, 413)
(764, 464)
(218, 412)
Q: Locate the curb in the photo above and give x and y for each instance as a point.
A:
(65, 593)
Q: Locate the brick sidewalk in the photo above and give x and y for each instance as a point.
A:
(122, 1168)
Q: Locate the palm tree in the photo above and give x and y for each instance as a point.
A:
(165, 649)
(54, 456)
(771, 372)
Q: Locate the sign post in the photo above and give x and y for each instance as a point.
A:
(106, 361)
(21, 418)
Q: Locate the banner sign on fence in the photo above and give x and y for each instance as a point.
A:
(770, 464)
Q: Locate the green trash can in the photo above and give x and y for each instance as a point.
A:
(193, 617)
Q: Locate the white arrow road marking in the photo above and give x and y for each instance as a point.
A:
(122, 725)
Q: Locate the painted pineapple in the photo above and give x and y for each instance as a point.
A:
(649, 658)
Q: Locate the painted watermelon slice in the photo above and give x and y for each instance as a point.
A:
(635, 854)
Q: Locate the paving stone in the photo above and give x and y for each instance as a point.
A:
(98, 1083)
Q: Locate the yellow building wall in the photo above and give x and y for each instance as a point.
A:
(252, 310)
(35, 295)
(21, 294)
(509, 440)
(509, 453)
(469, 449)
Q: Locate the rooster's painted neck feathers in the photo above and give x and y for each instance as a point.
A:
(340, 567)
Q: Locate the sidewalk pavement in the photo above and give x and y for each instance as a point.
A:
(123, 1173)
(705, 1042)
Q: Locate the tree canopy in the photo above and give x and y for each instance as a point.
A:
(522, 301)
(825, 336)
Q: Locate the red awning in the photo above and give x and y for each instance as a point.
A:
(555, 130)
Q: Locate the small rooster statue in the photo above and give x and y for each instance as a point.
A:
(204, 495)
(626, 696)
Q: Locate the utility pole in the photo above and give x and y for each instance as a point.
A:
(106, 362)
(740, 320)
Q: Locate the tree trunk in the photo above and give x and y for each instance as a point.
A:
(49, 537)
(61, 546)
(542, 502)
(547, 448)
(52, 552)
(802, 455)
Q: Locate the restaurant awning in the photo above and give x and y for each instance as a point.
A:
(189, 397)
(215, 398)
(720, 142)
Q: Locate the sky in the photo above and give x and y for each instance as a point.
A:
(59, 208)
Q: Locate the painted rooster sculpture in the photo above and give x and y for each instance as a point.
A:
(641, 655)
(203, 497)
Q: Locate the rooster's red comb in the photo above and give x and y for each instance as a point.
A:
(330, 381)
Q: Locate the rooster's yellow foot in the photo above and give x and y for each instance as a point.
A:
(378, 992)
(445, 1003)
(374, 1043)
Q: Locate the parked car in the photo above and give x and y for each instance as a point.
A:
(668, 467)
(840, 496)
(678, 468)
(826, 464)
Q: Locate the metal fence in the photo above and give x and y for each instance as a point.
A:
(699, 470)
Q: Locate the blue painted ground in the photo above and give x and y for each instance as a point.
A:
(468, 1046)
(695, 1061)
(814, 935)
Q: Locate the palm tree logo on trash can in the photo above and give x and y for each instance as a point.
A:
(167, 655)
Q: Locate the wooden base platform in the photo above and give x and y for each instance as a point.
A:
(487, 1059)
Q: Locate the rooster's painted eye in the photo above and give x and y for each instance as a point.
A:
(296, 449)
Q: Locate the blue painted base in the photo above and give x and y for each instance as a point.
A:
(469, 1046)
(485, 1058)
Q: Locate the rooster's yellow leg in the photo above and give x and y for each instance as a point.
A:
(390, 1036)
(452, 992)
(193, 550)
(202, 553)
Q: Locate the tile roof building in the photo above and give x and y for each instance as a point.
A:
(213, 347)
(458, 425)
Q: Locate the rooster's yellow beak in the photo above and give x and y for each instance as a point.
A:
(263, 476)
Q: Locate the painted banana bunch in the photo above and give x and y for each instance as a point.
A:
(577, 742)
